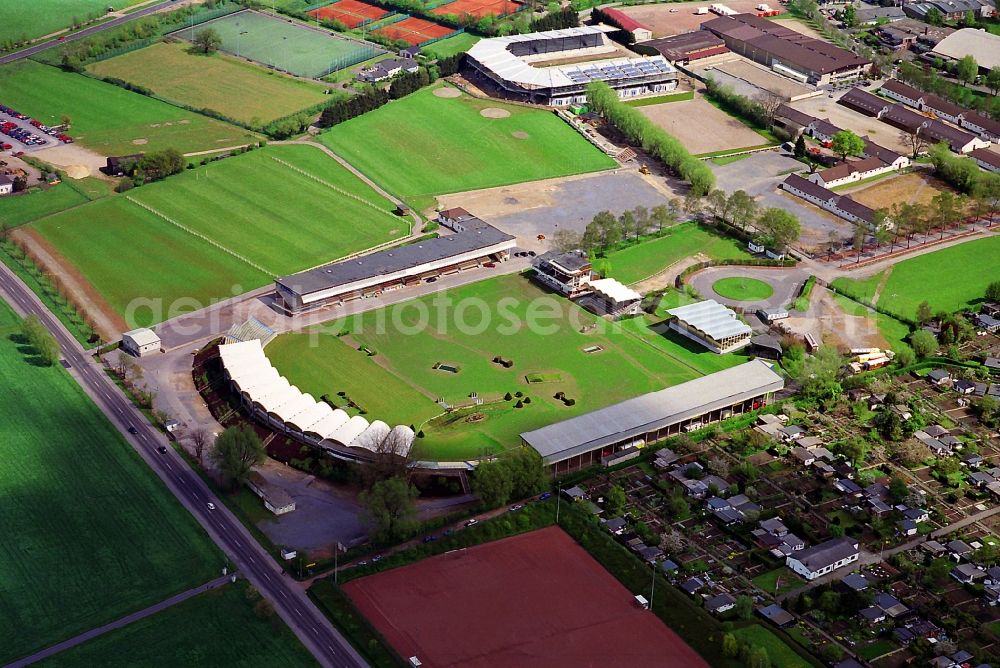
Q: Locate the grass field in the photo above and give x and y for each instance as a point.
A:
(217, 628)
(778, 581)
(30, 18)
(640, 261)
(229, 86)
(742, 289)
(91, 533)
(279, 219)
(894, 331)
(942, 278)
(460, 43)
(399, 384)
(779, 653)
(38, 203)
(108, 119)
(285, 44)
(425, 148)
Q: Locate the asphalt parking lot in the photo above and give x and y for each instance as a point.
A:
(24, 124)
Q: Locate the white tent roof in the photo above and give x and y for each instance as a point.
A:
(981, 45)
(329, 424)
(712, 318)
(614, 290)
(311, 416)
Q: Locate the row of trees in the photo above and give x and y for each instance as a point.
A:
(654, 140)
(926, 77)
(516, 474)
(776, 228)
(606, 230)
(759, 110)
(40, 339)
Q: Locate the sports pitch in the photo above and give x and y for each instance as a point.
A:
(399, 384)
(537, 599)
(217, 628)
(424, 145)
(278, 219)
(109, 119)
(284, 44)
(90, 533)
(232, 87)
(31, 18)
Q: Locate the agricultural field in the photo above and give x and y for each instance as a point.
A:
(231, 87)
(932, 277)
(189, 634)
(38, 203)
(465, 329)
(28, 19)
(639, 261)
(273, 219)
(90, 532)
(287, 45)
(426, 148)
(108, 119)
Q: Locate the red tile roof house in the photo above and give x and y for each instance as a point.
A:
(986, 159)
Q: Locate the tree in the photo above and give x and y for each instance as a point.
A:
(820, 373)
(236, 451)
(730, 646)
(718, 466)
(847, 143)
(914, 140)
(854, 450)
(800, 146)
(993, 79)
(492, 484)
(933, 16)
(741, 208)
(783, 227)
(924, 313)
(527, 472)
(716, 202)
(758, 658)
(389, 506)
(208, 40)
(829, 601)
(993, 292)
(65, 121)
(614, 501)
(744, 607)
(966, 70)
(663, 216)
(672, 542)
(390, 454)
(888, 424)
(41, 340)
(160, 164)
(565, 240)
(923, 343)
(199, 438)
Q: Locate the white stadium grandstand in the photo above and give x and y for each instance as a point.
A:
(272, 399)
(513, 65)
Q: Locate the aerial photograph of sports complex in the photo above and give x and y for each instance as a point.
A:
(500, 333)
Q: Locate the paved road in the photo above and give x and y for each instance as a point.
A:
(119, 623)
(86, 32)
(290, 601)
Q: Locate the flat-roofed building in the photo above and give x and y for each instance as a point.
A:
(141, 342)
(712, 325)
(583, 440)
(687, 47)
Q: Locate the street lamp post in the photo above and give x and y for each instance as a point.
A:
(652, 587)
(558, 501)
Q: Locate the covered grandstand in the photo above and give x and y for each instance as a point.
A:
(712, 325)
(269, 397)
(506, 63)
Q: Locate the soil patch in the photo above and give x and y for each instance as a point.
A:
(447, 91)
(140, 142)
(519, 134)
(494, 112)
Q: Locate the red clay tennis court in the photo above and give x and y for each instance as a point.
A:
(534, 600)
(414, 31)
(350, 12)
(478, 8)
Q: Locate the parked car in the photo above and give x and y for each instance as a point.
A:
(516, 506)
(162, 449)
(545, 496)
(471, 522)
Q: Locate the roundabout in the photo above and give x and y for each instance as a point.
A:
(742, 289)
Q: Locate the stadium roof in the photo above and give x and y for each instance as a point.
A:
(981, 45)
(712, 318)
(649, 412)
(494, 54)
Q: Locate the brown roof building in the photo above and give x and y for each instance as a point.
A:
(688, 46)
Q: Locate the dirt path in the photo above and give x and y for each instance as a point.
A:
(81, 293)
(881, 285)
(666, 278)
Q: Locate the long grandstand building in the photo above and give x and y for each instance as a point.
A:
(514, 67)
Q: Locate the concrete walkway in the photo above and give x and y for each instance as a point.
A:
(119, 623)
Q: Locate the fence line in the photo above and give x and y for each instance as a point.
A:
(333, 187)
(201, 236)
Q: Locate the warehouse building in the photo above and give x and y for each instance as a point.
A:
(687, 47)
(513, 67)
(395, 268)
(582, 441)
(712, 325)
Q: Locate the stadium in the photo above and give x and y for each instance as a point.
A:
(507, 66)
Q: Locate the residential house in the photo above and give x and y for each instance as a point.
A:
(959, 550)
(968, 573)
(890, 605)
(720, 604)
(963, 386)
(386, 69)
(6, 185)
(939, 377)
(824, 558)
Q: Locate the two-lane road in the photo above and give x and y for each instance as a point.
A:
(291, 603)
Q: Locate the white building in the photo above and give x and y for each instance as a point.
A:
(712, 325)
(141, 342)
(824, 558)
(987, 159)
(611, 298)
(567, 273)
(6, 185)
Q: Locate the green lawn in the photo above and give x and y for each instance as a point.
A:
(875, 649)
(277, 218)
(108, 119)
(639, 261)
(743, 289)
(38, 203)
(424, 145)
(399, 384)
(90, 533)
(229, 86)
(779, 653)
(217, 628)
(460, 43)
(661, 99)
(27, 19)
(779, 581)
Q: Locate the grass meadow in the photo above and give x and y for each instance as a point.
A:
(90, 533)
(39, 203)
(232, 87)
(444, 48)
(217, 628)
(399, 384)
(277, 218)
(777, 650)
(741, 288)
(31, 18)
(420, 145)
(108, 119)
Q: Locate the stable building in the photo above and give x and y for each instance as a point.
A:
(850, 172)
(141, 342)
(987, 159)
(712, 325)
(584, 440)
(687, 47)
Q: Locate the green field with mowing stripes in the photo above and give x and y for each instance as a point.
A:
(423, 145)
(38, 203)
(399, 383)
(90, 533)
(28, 19)
(217, 628)
(278, 220)
(108, 119)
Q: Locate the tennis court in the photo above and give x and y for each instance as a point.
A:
(415, 31)
(285, 45)
(478, 8)
(350, 12)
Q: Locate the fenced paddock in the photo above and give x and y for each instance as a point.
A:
(350, 12)
(284, 44)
